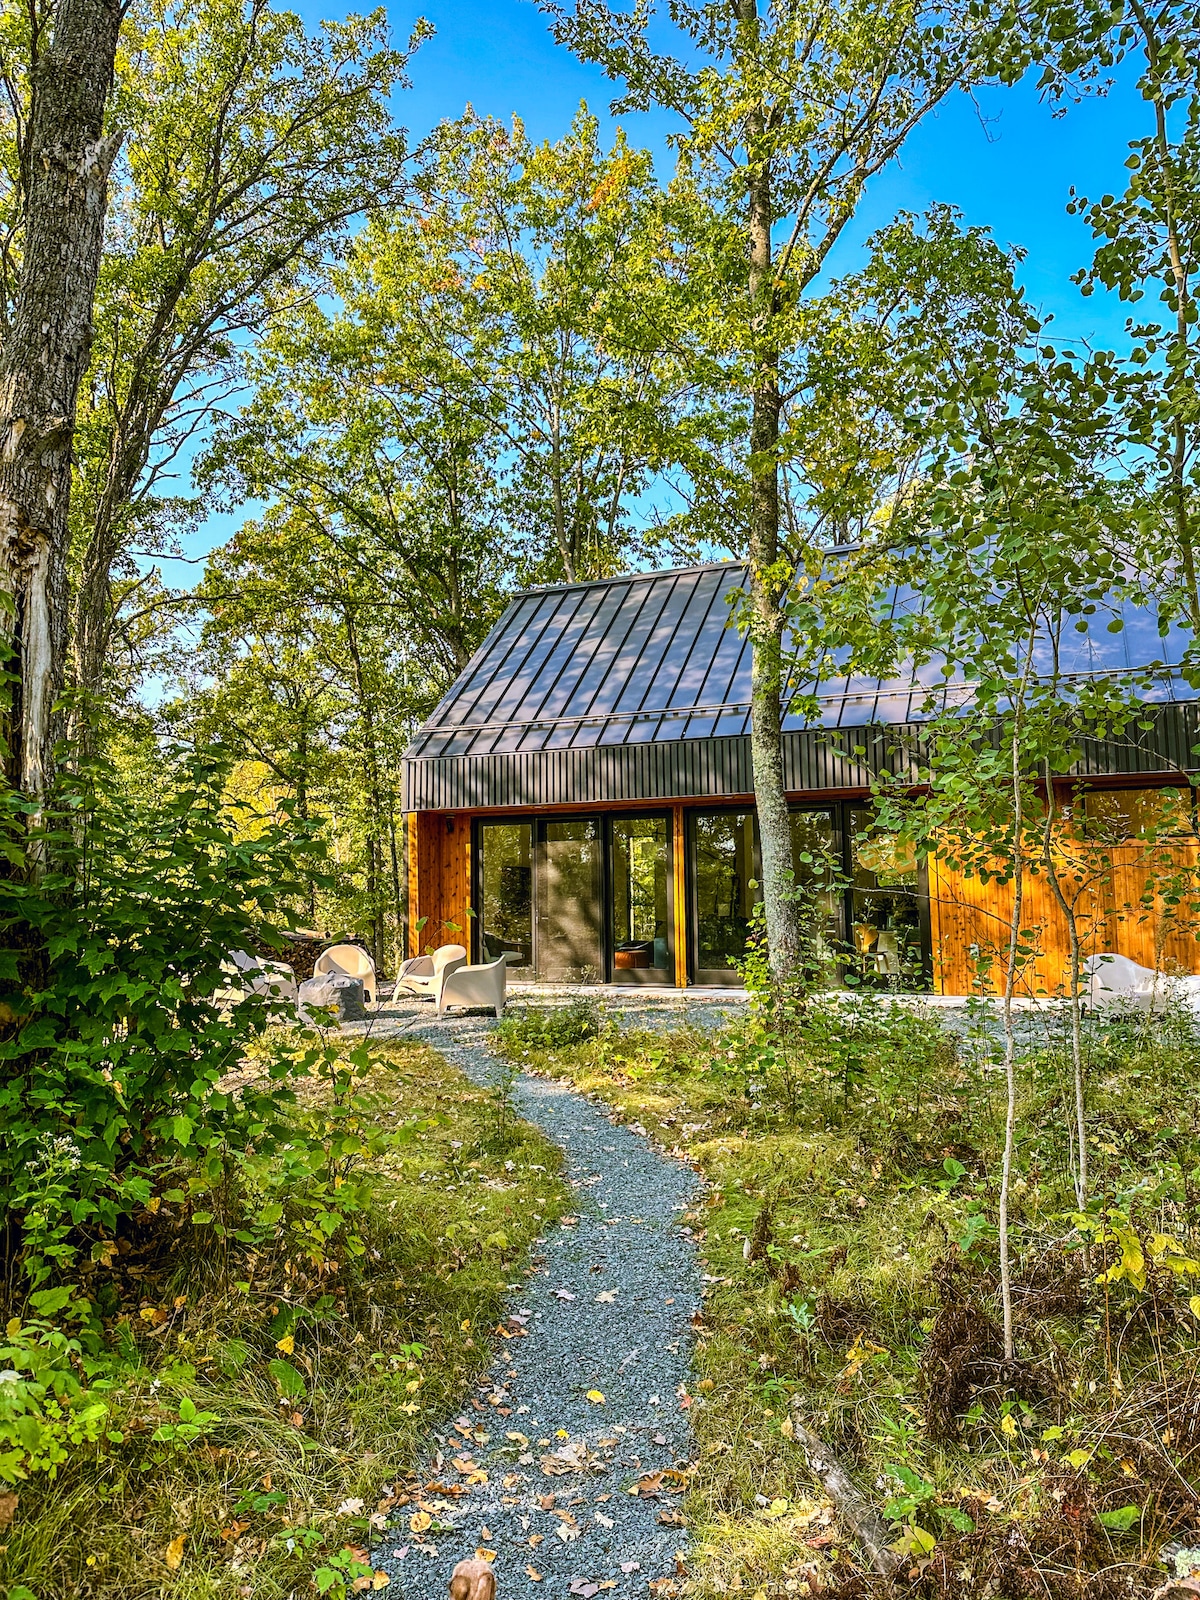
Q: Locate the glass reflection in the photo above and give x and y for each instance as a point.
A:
(507, 898)
(568, 902)
(641, 880)
(725, 868)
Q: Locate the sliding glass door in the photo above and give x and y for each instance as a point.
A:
(641, 926)
(724, 852)
(504, 900)
(569, 946)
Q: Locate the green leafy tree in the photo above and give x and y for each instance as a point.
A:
(253, 146)
(785, 113)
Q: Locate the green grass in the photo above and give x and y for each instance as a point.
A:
(256, 1496)
(850, 1223)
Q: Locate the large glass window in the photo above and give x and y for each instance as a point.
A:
(886, 947)
(725, 867)
(641, 899)
(817, 863)
(506, 921)
(568, 902)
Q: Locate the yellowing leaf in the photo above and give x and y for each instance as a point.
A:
(287, 1344)
(174, 1552)
(380, 1580)
(484, 1555)
(595, 1397)
(420, 1521)
(1194, 1305)
(1008, 1426)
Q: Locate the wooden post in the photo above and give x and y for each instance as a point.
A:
(679, 865)
(414, 893)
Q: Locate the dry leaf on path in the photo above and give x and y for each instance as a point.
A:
(605, 1522)
(174, 1552)
(563, 1294)
(535, 1539)
(631, 1566)
(606, 1297)
(595, 1397)
(534, 1574)
(566, 1533)
(420, 1522)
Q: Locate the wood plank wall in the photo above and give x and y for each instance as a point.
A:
(1115, 908)
(440, 879)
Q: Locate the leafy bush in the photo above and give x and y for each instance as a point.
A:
(113, 1041)
(45, 1411)
(575, 1023)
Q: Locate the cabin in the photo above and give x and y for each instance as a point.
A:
(581, 801)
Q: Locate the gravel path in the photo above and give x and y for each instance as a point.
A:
(608, 1311)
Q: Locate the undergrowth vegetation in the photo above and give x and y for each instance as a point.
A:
(260, 1361)
(849, 1237)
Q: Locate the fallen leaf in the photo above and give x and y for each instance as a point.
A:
(485, 1533)
(380, 1580)
(584, 1588)
(8, 1508)
(534, 1574)
(566, 1533)
(484, 1555)
(595, 1397)
(672, 1519)
(512, 1480)
(606, 1297)
(465, 1464)
(518, 1438)
(420, 1522)
(631, 1566)
(349, 1508)
(605, 1522)
(547, 1502)
(563, 1294)
(535, 1539)
(174, 1552)
(649, 1486)
(287, 1344)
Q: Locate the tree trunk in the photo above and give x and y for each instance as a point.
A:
(43, 363)
(768, 582)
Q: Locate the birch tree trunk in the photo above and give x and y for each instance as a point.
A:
(43, 363)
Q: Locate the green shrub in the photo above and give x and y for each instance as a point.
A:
(46, 1413)
(113, 1042)
(532, 1029)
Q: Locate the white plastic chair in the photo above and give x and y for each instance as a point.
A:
(474, 986)
(249, 974)
(422, 975)
(348, 961)
(1116, 980)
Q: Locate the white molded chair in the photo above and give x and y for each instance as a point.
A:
(422, 975)
(474, 986)
(249, 974)
(348, 961)
(1116, 980)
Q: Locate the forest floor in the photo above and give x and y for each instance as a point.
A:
(847, 1237)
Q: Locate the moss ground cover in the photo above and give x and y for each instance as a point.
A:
(849, 1238)
(257, 1400)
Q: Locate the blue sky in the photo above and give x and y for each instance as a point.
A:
(1006, 163)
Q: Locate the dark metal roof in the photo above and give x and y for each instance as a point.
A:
(637, 687)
